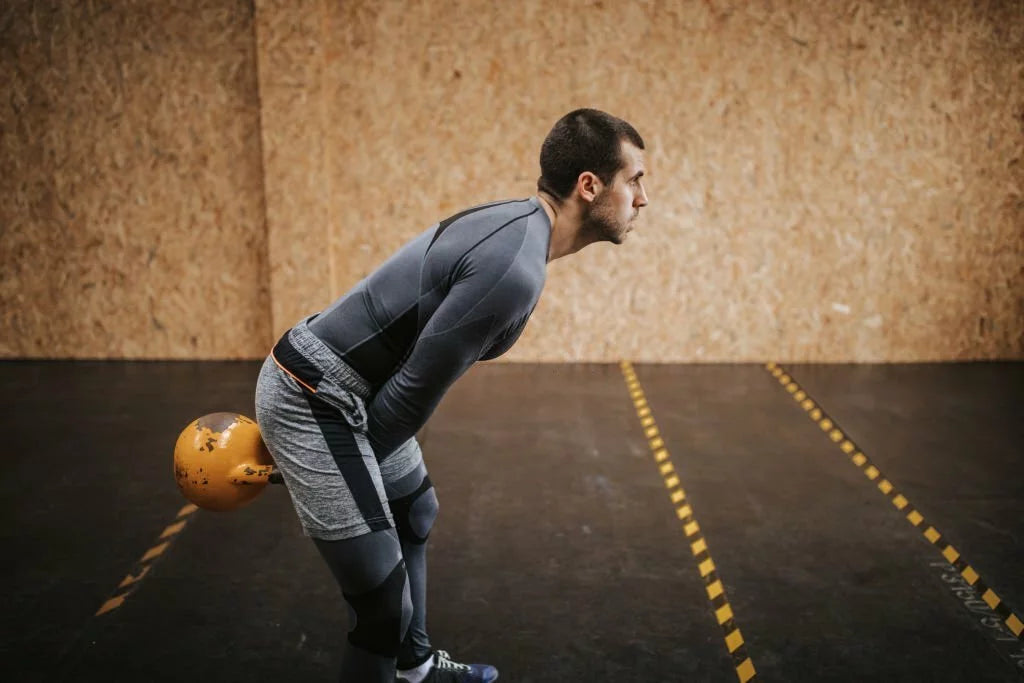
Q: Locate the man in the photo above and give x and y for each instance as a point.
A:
(343, 393)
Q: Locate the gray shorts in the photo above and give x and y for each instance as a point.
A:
(311, 410)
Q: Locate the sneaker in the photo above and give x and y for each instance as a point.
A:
(447, 671)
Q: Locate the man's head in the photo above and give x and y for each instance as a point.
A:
(595, 160)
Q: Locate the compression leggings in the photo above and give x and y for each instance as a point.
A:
(383, 578)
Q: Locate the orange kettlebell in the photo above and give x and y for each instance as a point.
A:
(221, 462)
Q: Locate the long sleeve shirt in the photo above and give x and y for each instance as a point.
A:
(459, 292)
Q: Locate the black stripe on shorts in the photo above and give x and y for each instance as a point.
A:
(345, 451)
(297, 364)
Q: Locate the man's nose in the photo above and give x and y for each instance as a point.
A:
(641, 199)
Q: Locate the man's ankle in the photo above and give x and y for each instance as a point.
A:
(410, 660)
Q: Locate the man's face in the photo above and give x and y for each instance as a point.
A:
(610, 216)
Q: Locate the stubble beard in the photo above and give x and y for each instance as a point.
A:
(601, 224)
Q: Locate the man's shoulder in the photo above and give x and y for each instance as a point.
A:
(490, 232)
(492, 213)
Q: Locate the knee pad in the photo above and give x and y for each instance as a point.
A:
(415, 513)
(382, 615)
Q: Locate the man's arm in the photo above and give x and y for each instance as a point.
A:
(466, 323)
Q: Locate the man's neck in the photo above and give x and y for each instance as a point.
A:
(565, 228)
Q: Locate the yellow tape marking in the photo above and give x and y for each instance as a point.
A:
(187, 510)
(111, 604)
(724, 614)
(155, 551)
(129, 579)
(970, 576)
(745, 670)
(173, 529)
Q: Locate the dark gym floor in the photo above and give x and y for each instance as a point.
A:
(558, 554)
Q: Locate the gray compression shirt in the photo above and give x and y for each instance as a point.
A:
(459, 292)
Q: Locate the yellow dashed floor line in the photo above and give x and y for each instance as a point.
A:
(898, 500)
(131, 580)
(698, 545)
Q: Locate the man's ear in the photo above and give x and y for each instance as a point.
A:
(588, 185)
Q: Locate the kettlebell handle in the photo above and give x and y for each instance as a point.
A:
(260, 474)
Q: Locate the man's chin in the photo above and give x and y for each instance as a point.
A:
(613, 235)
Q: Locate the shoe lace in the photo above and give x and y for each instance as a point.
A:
(445, 663)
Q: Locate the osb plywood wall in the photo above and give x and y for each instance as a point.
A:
(828, 181)
(131, 194)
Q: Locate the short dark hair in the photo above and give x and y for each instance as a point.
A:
(583, 140)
